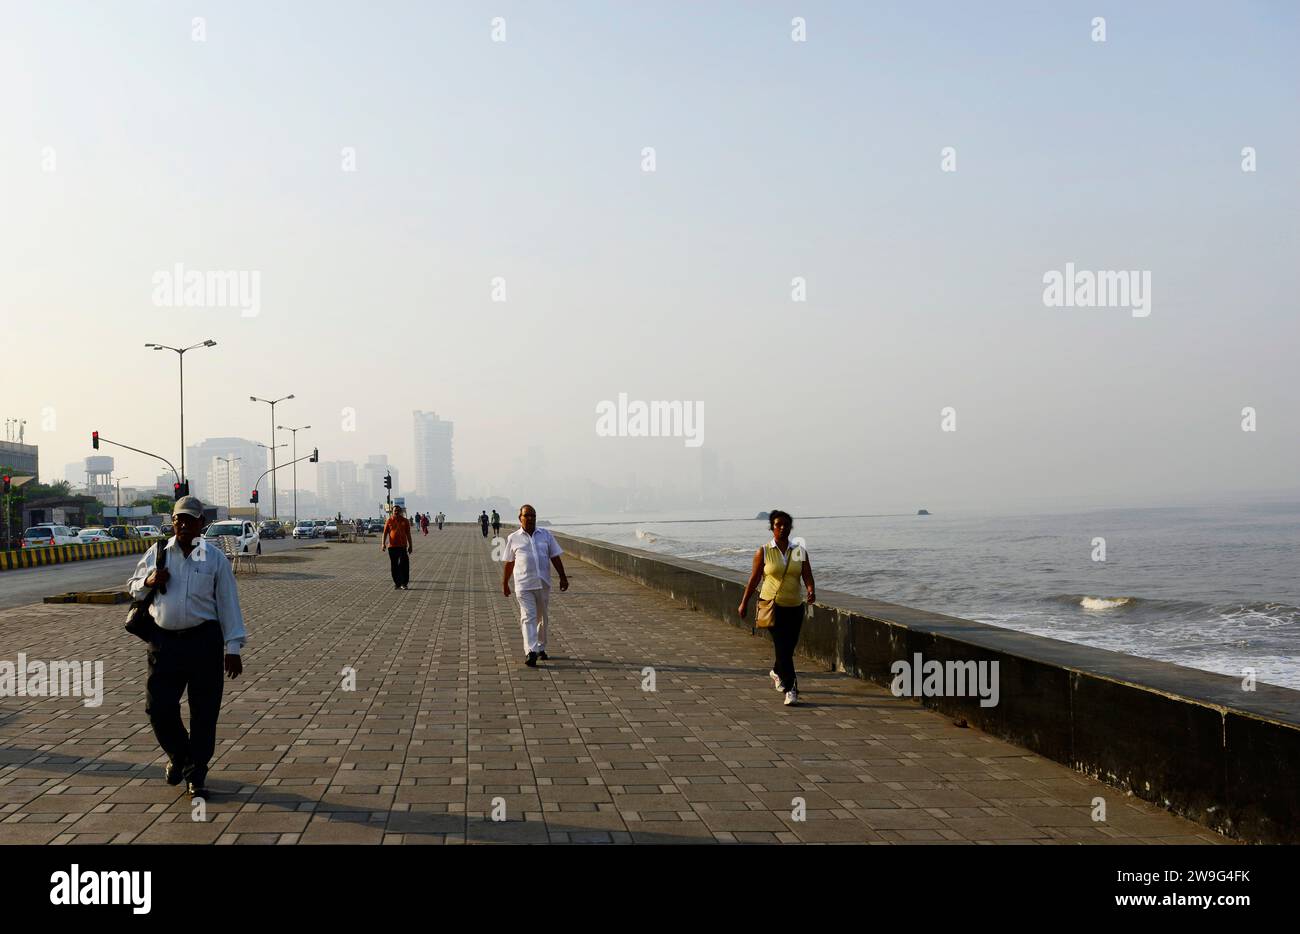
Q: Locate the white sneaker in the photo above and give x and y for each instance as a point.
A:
(776, 679)
(791, 698)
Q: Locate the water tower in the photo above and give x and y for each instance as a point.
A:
(99, 475)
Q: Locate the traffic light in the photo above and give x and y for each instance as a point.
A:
(315, 455)
(254, 499)
(176, 490)
(388, 481)
(94, 440)
(7, 481)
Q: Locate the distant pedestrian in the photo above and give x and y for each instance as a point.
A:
(199, 635)
(397, 542)
(441, 519)
(424, 523)
(529, 554)
(496, 524)
(780, 603)
(483, 522)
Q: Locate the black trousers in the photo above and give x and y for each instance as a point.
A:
(192, 660)
(785, 636)
(400, 559)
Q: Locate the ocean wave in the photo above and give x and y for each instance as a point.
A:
(1104, 603)
(645, 536)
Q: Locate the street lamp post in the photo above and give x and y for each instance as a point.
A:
(275, 511)
(295, 466)
(180, 353)
(119, 499)
(228, 462)
(274, 515)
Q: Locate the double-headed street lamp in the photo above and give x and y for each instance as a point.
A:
(275, 513)
(180, 352)
(295, 466)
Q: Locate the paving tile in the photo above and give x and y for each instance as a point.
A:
(445, 719)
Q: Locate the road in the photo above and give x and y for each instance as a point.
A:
(31, 585)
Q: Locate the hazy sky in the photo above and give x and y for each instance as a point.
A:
(127, 147)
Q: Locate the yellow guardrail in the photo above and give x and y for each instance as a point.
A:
(60, 554)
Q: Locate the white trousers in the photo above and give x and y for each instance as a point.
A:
(533, 616)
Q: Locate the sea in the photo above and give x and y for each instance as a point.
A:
(1213, 587)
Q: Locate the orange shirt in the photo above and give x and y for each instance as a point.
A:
(398, 531)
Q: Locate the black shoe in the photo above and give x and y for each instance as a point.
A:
(397, 586)
(197, 790)
(174, 773)
(543, 656)
(531, 660)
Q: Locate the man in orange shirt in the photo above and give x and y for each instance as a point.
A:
(397, 542)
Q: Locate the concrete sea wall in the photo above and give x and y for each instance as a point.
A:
(1197, 743)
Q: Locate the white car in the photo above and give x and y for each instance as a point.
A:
(305, 529)
(95, 536)
(45, 536)
(150, 532)
(241, 530)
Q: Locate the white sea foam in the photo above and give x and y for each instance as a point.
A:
(1103, 603)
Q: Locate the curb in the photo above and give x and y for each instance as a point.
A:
(62, 554)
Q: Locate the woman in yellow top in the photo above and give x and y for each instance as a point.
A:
(782, 567)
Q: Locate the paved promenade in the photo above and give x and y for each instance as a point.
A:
(445, 725)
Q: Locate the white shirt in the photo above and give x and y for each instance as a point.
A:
(532, 556)
(199, 588)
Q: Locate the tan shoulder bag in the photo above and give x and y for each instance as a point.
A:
(766, 615)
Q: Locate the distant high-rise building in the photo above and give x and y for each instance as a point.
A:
(435, 482)
(201, 467)
(373, 472)
(230, 482)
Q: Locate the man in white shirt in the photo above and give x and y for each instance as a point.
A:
(200, 634)
(529, 554)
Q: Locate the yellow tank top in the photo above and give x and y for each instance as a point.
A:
(787, 592)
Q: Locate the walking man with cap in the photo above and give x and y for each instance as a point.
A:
(199, 638)
(529, 554)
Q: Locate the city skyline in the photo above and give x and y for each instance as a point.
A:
(871, 238)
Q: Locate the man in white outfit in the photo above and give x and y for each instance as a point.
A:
(529, 554)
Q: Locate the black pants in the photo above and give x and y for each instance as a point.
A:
(485, 530)
(400, 559)
(785, 636)
(193, 660)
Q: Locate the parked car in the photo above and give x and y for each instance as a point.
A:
(124, 533)
(320, 524)
(329, 530)
(246, 537)
(149, 532)
(95, 537)
(45, 536)
(270, 529)
(305, 529)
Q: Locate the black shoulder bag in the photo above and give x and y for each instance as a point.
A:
(138, 621)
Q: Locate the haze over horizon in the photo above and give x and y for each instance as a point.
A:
(387, 173)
